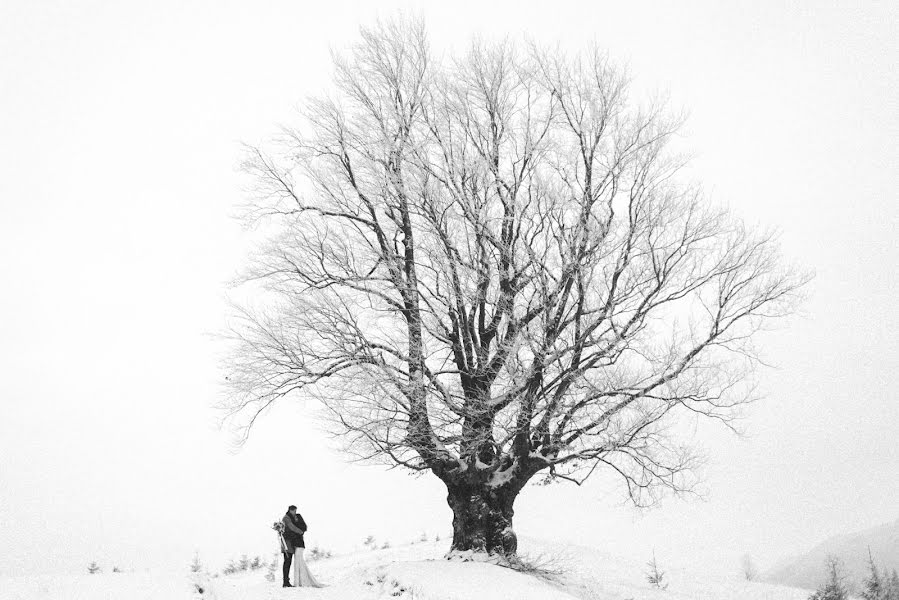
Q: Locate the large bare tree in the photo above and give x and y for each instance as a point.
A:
(487, 267)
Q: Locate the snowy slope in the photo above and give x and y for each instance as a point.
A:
(413, 572)
(112, 586)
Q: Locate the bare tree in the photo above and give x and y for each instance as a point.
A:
(486, 268)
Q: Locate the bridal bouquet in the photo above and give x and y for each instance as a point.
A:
(278, 526)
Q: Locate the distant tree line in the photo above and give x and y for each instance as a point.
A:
(878, 584)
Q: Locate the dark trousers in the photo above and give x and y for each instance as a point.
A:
(285, 570)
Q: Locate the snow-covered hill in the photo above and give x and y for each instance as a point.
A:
(808, 570)
(414, 572)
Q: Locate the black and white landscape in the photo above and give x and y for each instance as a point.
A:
(511, 300)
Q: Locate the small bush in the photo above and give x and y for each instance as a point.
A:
(318, 554)
(231, 568)
(94, 568)
(655, 576)
(244, 564)
(271, 572)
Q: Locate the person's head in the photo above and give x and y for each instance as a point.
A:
(292, 509)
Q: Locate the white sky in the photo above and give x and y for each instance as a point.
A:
(120, 125)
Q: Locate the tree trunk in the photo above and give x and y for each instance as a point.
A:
(482, 519)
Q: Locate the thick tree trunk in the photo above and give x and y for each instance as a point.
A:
(482, 519)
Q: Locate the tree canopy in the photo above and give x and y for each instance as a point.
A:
(489, 266)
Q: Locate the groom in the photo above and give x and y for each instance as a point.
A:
(294, 528)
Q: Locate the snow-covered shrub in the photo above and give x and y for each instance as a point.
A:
(196, 566)
(834, 588)
(271, 573)
(243, 564)
(93, 568)
(318, 553)
(231, 568)
(655, 576)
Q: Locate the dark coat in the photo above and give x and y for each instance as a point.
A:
(294, 528)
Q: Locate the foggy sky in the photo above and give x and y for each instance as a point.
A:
(120, 132)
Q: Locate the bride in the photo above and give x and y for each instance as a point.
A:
(302, 577)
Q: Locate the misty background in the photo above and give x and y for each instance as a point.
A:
(121, 126)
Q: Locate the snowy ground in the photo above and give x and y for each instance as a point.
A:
(414, 572)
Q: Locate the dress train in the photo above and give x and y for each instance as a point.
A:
(302, 577)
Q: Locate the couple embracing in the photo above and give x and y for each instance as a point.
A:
(292, 549)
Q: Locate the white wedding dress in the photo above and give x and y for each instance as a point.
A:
(302, 577)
